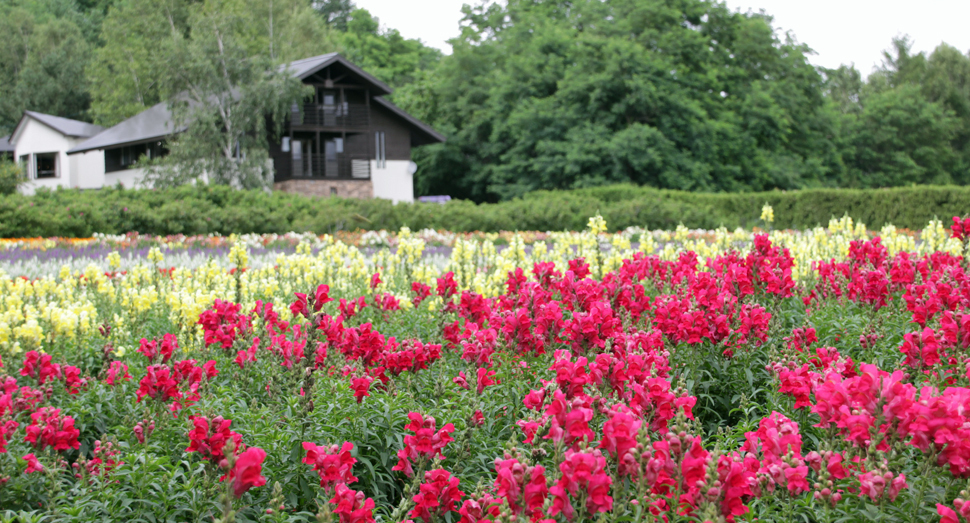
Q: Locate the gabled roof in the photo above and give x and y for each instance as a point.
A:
(306, 67)
(5, 145)
(151, 124)
(429, 134)
(156, 122)
(65, 126)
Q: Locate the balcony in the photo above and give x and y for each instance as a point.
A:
(320, 166)
(337, 116)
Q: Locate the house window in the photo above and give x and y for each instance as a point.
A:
(45, 165)
(379, 143)
(127, 156)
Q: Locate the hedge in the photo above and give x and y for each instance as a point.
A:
(219, 209)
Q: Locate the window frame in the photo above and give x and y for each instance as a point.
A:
(380, 144)
(36, 168)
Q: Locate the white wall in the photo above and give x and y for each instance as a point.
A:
(36, 137)
(393, 182)
(130, 178)
(87, 170)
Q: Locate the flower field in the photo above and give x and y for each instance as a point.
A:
(817, 375)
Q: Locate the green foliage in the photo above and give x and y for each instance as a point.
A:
(42, 61)
(335, 12)
(383, 53)
(680, 95)
(124, 74)
(137, 67)
(10, 176)
(226, 97)
(684, 95)
(220, 209)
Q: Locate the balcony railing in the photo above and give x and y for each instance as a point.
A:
(344, 115)
(319, 166)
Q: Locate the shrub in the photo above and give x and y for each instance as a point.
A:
(219, 209)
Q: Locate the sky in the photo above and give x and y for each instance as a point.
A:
(840, 31)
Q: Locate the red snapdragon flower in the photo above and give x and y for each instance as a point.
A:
(73, 382)
(159, 384)
(300, 306)
(523, 487)
(117, 373)
(247, 471)
(334, 465)
(208, 439)
(438, 495)
(485, 379)
(7, 428)
(222, 323)
(361, 387)
(620, 437)
(586, 471)
(40, 367)
(386, 302)
(351, 506)
(247, 355)
(350, 308)
(32, 464)
(321, 297)
(421, 292)
(960, 228)
(478, 419)
(481, 510)
(155, 350)
(104, 459)
(50, 429)
(425, 443)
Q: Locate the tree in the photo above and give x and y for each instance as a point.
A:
(225, 99)
(679, 94)
(43, 70)
(337, 13)
(901, 138)
(385, 54)
(124, 73)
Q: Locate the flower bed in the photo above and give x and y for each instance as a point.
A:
(818, 375)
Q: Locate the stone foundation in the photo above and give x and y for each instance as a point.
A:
(362, 189)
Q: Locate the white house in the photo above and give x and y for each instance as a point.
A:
(40, 143)
(346, 141)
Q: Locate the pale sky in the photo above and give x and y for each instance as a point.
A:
(840, 31)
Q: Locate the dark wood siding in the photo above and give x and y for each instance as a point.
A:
(397, 138)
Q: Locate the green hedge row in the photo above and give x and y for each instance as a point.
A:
(218, 209)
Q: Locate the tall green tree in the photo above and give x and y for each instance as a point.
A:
(336, 13)
(384, 53)
(225, 98)
(125, 73)
(910, 121)
(671, 93)
(42, 68)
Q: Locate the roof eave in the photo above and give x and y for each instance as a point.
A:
(421, 126)
(381, 86)
(81, 149)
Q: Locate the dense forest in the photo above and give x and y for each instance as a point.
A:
(537, 94)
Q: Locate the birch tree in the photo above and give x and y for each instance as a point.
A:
(228, 105)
